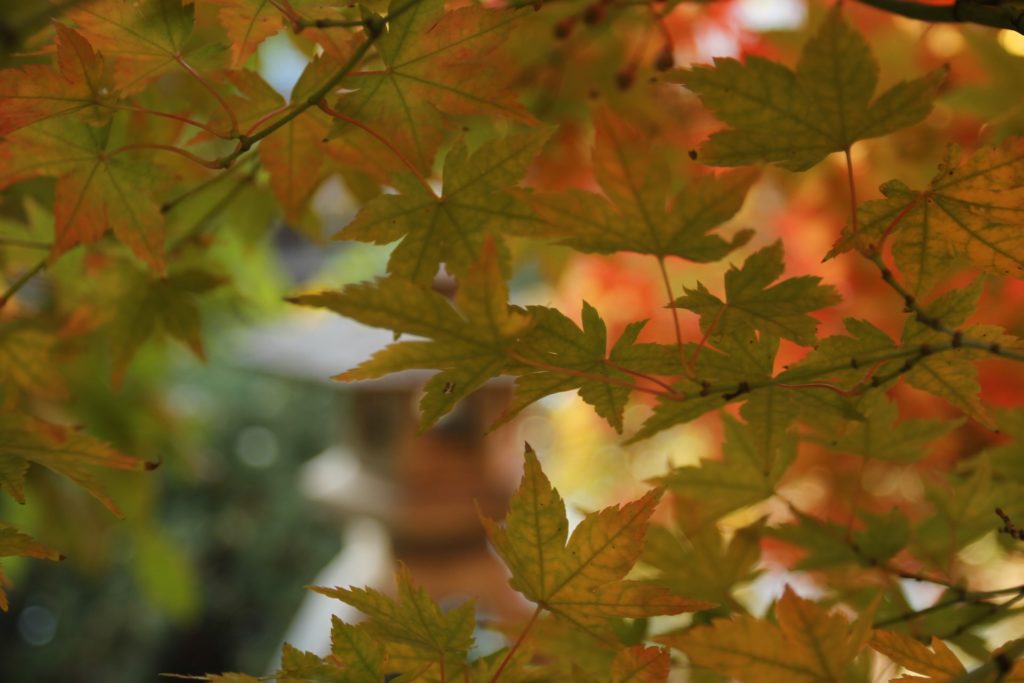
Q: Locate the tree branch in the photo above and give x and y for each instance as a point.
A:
(995, 15)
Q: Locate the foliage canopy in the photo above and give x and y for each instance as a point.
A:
(141, 152)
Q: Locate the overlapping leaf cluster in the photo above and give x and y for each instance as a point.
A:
(145, 124)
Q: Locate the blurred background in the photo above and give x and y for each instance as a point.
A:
(273, 477)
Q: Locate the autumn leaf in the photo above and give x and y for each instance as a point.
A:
(412, 627)
(937, 665)
(580, 580)
(152, 306)
(797, 118)
(881, 435)
(780, 310)
(588, 365)
(433, 63)
(81, 84)
(73, 454)
(970, 213)
(640, 665)
(145, 38)
(647, 207)
(740, 479)
(697, 560)
(13, 543)
(27, 362)
(806, 645)
(99, 187)
(452, 228)
(831, 545)
(357, 651)
(469, 344)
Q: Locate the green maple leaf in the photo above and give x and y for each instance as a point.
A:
(96, 190)
(13, 543)
(881, 436)
(27, 361)
(414, 630)
(557, 341)
(646, 209)
(25, 441)
(452, 228)
(843, 360)
(358, 652)
(434, 63)
(970, 213)
(741, 478)
(82, 84)
(579, 578)
(952, 376)
(469, 345)
(149, 307)
(699, 562)
(750, 303)
(797, 118)
(830, 545)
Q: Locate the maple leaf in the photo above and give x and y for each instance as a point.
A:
(97, 189)
(81, 84)
(807, 645)
(580, 581)
(452, 228)
(298, 666)
(780, 310)
(797, 118)
(640, 664)
(413, 628)
(469, 345)
(648, 208)
(249, 22)
(295, 156)
(971, 212)
(356, 650)
(150, 306)
(952, 376)
(938, 665)
(25, 440)
(13, 543)
(557, 341)
(433, 62)
(828, 544)
(882, 436)
(697, 560)
(26, 359)
(145, 38)
(740, 479)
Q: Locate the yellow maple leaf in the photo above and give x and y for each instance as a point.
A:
(580, 580)
(806, 645)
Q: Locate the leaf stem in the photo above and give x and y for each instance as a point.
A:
(213, 211)
(207, 163)
(675, 313)
(334, 113)
(197, 189)
(641, 375)
(515, 646)
(963, 596)
(21, 282)
(854, 228)
(213, 91)
(592, 376)
(174, 117)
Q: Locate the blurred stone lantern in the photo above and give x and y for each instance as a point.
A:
(399, 494)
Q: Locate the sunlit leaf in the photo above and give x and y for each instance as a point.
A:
(797, 118)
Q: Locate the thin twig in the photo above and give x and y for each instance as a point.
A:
(21, 282)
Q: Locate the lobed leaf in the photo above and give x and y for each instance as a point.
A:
(797, 118)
